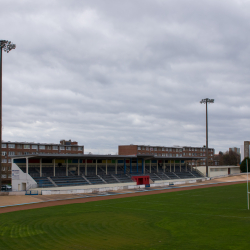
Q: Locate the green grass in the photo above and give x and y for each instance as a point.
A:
(210, 218)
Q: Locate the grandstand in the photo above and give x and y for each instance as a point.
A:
(79, 170)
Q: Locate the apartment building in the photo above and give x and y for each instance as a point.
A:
(25, 148)
(175, 151)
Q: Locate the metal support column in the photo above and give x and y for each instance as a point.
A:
(54, 167)
(124, 166)
(41, 174)
(170, 165)
(86, 172)
(27, 165)
(116, 166)
(96, 166)
(67, 167)
(106, 166)
(142, 166)
(78, 167)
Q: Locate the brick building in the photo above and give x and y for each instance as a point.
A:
(175, 151)
(27, 148)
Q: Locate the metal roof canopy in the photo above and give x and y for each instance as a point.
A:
(104, 157)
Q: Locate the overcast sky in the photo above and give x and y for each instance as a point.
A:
(109, 73)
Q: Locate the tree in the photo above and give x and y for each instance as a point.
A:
(243, 167)
(231, 158)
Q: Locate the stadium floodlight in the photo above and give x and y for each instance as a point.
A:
(206, 101)
(7, 46)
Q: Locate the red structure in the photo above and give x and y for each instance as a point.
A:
(141, 180)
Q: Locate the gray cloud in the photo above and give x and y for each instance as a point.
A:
(106, 73)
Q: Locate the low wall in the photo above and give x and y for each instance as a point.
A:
(117, 188)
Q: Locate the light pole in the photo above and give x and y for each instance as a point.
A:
(7, 46)
(207, 100)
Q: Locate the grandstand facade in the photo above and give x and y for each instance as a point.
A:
(55, 170)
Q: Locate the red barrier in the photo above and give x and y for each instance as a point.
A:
(141, 180)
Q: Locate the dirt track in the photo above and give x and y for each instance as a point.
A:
(66, 200)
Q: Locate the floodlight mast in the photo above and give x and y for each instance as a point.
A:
(206, 101)
(5, 46)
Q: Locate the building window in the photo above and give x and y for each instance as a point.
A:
(4, 176)
(42, 147)
(55, 147)
(62, 148)
(147, 148)
(163, 154)
(11, 145)
(166, 154)
(159, 154)
(189, 154)
(155, 154)
(68, 148)
(170, 155)
(9, 176)
(196, 149)
(34, 146)
(183, 153)
(163, 149)
(3, 168)
(3, 145)
(79, 148)
(180, 155)
(26, 146)
(176, 155)
(49, 147)
(74, 148)
(11, 153)
(19, 146)
(155, 149)
(180, 150)
(170, 149)
(4, 160)
(143, 148)
(139, 148)
(9, 161)
(3, 153)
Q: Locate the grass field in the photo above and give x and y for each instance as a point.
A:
(210, 218)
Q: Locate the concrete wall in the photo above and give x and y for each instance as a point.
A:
(214, 171)
(20, 180)
(223, 170)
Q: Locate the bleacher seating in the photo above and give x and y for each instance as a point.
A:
(123, 178)
(60, 179)
(109, 178)
(95, 179)
(69, 180)
(43, 182)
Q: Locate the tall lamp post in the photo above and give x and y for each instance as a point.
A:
(206, 101)
(5, 46)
